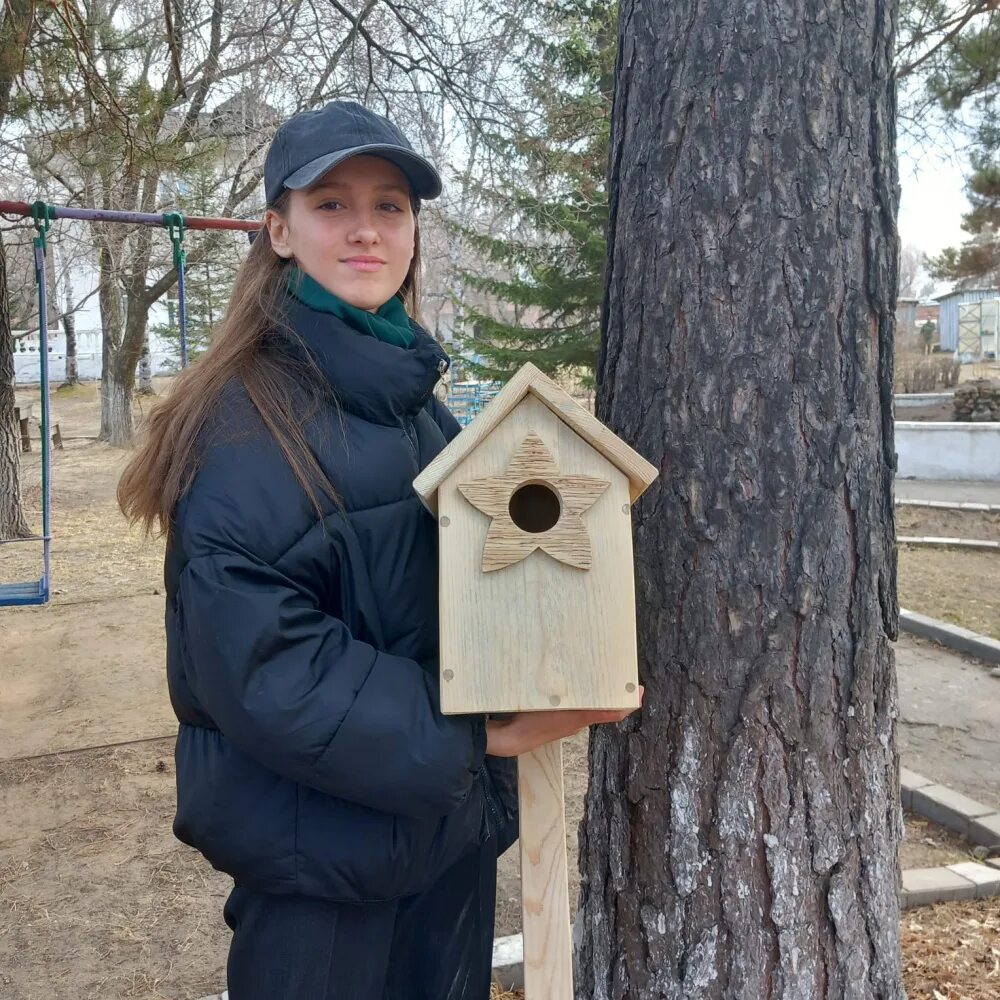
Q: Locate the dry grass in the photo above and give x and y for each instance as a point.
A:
(962, 588)
(952, 951)
(948, 523)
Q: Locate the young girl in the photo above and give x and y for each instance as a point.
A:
(361, 826)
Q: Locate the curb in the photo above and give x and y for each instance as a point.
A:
(961, 543)
(953, 636)
(973, 820)
(987, 508)
(966, 880)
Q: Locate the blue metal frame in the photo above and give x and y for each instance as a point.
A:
(37, 592)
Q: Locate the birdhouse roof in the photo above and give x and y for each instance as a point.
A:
(533, 381)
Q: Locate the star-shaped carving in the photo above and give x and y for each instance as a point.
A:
(507, 543)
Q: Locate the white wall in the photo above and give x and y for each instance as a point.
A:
(929, 450)
(88, 351)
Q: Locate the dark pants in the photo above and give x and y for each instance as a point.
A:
(435, 946)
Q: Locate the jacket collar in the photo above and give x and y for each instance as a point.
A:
(375, 380)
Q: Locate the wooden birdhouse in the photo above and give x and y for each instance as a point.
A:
(533, 501)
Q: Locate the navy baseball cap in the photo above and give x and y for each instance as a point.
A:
(308, 144)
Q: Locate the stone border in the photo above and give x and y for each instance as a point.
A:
(958, 543)
(973, 820)
(966, 880)
(953, 636)
(985, 508)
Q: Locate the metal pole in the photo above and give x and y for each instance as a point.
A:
(136, 218)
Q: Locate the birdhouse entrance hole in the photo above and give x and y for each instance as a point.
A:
(535, 507)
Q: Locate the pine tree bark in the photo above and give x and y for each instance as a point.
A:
(741, 835)
(12, 520)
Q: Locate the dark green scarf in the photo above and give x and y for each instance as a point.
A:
(388, 323)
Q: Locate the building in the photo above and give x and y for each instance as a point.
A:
(948, 306)
(928, 312)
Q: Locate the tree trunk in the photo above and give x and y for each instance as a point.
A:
(145, 373)
(125, 322)
(12, 521)
(117, 375)
(72, 368)
(118, 383)
(740, 837)
(69, 330)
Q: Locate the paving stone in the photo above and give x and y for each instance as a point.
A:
(985, 830)
(985, 879)
(923, 886)
(947, 807)
(908, 780)
(508, 962)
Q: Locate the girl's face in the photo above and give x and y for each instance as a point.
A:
(352, 230)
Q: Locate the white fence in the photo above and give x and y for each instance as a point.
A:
(931, 450)
(27, 366)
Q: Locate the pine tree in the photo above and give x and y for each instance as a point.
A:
(543, 277)
(207, 283)
(970, 76)
(977, 261)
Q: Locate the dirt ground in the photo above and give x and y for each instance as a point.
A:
(936, 412)
(97, 899)
(934, 523)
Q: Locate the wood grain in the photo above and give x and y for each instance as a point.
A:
(548, 948)
(528, 380)
(540, 634)
(506, 543)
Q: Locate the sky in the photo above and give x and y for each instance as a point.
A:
(931, 203)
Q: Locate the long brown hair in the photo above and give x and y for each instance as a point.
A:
(166, 460)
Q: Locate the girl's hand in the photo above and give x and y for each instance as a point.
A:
(526, 731)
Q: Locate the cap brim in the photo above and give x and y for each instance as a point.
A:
(424, 179)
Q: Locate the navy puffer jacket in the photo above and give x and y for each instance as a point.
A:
(312, 756)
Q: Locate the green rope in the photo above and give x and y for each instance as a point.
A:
(42, 215)
(174, 221)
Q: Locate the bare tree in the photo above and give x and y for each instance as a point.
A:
(117, 126)
(911, 270)
(16, 26)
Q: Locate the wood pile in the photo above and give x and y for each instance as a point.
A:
(977, 400)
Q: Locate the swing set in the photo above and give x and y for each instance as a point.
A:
(36, 592)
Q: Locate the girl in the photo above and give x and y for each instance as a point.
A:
(361, 826)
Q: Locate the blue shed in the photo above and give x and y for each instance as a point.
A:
(948, 316)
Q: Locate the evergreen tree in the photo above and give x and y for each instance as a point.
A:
(208, 282)
(977, 261)
(969, 76)
(542, 283)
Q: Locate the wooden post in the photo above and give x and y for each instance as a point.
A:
(57, 439)
(548, 948)
(25, 436)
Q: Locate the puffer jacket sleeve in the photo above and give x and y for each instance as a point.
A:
(445, 419)
(288, 684)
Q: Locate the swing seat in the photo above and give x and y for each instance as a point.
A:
(24, 594)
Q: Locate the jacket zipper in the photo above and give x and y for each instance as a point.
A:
(490, 801)
(411, 438)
